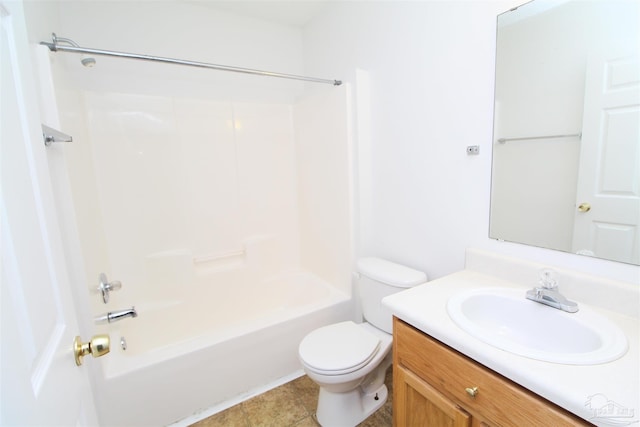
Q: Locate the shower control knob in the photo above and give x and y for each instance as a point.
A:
(105, 287)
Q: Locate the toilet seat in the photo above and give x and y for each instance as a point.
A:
(338, 349)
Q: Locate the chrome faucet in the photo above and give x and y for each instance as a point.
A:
(547, 293)
(114, 316)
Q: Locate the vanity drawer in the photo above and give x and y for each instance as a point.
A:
(498, 401)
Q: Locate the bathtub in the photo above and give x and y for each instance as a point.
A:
(184, 356)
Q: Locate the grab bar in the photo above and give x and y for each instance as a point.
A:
(218, 256)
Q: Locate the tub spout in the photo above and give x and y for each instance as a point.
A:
(114, 316)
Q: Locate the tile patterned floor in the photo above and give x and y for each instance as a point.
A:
(291, 405)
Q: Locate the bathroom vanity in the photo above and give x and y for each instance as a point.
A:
(445, 375)
(437, 386)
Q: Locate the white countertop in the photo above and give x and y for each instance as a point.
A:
(579, 389)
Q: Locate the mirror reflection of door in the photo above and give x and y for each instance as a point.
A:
(607, 212)
(562, 116)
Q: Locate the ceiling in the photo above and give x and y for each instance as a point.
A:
(296, 13)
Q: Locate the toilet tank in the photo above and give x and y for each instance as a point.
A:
(379, 278)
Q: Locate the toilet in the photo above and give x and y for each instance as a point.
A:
(349, 360)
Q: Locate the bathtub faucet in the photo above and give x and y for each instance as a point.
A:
(114, 316)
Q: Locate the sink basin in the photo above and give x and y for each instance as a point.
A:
(505, 319)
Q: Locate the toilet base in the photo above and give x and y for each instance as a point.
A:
(350, 408)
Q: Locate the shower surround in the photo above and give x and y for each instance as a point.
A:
(221, 202)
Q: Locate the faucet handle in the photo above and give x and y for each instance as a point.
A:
(105, 287)
(548, 279)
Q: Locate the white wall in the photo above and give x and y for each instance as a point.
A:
(323, 162)
(430, 73)
(431, 77)
(184, 30)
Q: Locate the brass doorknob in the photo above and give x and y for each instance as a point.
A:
(584, 207)
(98, 346)
(472, 391)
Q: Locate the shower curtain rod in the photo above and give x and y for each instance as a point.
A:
(55, 46)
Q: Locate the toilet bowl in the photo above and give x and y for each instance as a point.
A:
(349, 360)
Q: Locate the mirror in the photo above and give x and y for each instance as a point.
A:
(566, 146)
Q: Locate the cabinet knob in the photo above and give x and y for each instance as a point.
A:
(472, 391)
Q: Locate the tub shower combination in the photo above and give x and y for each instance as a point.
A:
(227, 241)
(186, 355)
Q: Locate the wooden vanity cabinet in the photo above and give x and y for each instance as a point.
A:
(433, 385)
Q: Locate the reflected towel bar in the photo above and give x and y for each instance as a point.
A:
(55, 46)
(526, 138)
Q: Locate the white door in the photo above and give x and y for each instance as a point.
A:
(607, 220)
(41, 384)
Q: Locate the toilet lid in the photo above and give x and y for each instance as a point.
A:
(338, 349)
